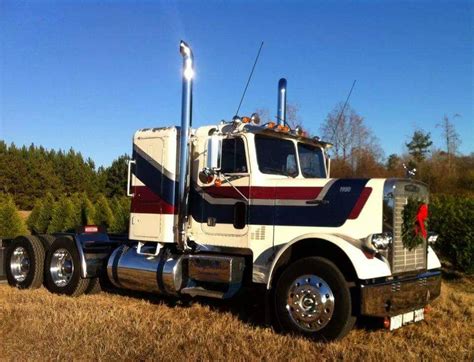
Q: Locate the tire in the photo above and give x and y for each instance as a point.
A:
(24, 262)
(94, 286)
(312, 299)
(46, 240)
(62, 269)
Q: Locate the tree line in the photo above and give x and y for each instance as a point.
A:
(64, 214)
(30, 173)
(357, 153)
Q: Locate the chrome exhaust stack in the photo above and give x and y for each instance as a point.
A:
(281, 101)
(184, 154)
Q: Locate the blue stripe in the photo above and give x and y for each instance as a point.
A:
(154, 179)
(333, 214)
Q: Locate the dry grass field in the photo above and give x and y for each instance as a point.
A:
(39, 325)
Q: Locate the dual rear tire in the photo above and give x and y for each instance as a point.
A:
(33, 261)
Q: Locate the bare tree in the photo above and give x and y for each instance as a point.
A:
(264, 114)
(450, 136)
(350, 137)
(293, 117)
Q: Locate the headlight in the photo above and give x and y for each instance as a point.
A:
(381, 241)
(432, 237)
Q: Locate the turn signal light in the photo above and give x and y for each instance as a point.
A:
(209, 179)
(283, 128)
(271, 125)
(386, 323)
(218, 182)
(245, 120)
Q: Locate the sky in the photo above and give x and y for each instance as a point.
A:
(88, 74)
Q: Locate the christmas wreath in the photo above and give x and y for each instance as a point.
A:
(415, 217)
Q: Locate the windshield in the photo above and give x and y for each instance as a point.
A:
(311, 161)
(276, 156)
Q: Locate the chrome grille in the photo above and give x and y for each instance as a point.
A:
(397, 192)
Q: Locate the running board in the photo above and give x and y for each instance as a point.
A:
(200, 291)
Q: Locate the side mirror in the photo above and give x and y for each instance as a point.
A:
(214, 154)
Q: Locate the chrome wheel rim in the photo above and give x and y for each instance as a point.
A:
(61, 267)
(310, 302)
(20, 264)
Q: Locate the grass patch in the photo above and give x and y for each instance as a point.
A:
(39, 325)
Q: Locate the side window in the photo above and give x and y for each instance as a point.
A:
(276, 156)
(233, 156)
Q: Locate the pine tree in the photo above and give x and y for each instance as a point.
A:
(121, 209)
(45, 214)
(34, 216)
(70, 221)
(63, 218)
(77, 209)
(87, 211)
(56, 224)
(103, 213)
(116, 177)
(11, 224)
(419, 146)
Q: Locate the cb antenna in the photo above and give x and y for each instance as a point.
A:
(343, 109)
(250, 78)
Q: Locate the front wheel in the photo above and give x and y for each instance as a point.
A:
(312, 298)
(63, 270)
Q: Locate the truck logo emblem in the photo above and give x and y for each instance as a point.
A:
(345, 189)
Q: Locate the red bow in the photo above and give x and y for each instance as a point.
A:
(420, 219)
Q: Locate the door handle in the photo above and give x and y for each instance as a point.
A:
(317, 202)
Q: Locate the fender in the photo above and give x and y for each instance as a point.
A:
(364, 267)
(93, 249)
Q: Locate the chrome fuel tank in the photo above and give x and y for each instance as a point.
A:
(157, 274)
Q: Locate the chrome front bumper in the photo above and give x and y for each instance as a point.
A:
(399, 296)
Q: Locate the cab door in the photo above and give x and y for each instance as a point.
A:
(224, 208)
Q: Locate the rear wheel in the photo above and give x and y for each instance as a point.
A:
(94, 286)
(46, 240)
(312, 299)
(24, 262)
(63, 269)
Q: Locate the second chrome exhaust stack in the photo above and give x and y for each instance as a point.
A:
(184, 154)
(282, 102)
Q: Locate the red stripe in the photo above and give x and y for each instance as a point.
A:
(360, 203)
(146, 201)
(261, 192)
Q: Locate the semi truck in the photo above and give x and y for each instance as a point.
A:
(218, 209)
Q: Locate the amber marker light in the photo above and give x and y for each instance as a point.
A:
(245, 120)
(271, 125)
(218, 183)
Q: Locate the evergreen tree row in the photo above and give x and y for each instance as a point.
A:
(11, 224)
(30, 173)
(67, 213)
